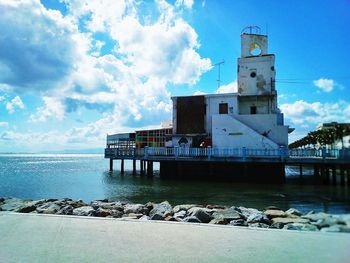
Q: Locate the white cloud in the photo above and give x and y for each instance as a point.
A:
(52, 108)
(2, 98)
(186, 3)
(4, 124)
(229, 88)
(326, 85)
(198, 92)
(15, 103)
(301, 112)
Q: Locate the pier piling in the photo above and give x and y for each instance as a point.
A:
(122, 166)
(111, 165)
(134, 167)
(141, 167)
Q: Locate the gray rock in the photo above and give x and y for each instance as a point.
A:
(27, 208)
(157, 217)
(328, 221)
(260, 225)
(334, 228)
(316, 216)
(202, 215)
(84, 211)
(116, 213)
(227, 214)
(178, 208)
(258, 218)
(2, 199)
(149, 206)
(238, 222)
(163, 209)
(193, 210)
(277, 225)
(191, 219)
(48, 208)
(66, 210)
(218, 221)
(300, 227)
(294, 212)
(289, 220)
(216, 207)
(12, 204)
(144, 218)
(246, 212)
(101, 212)
(181, 214)
(274, 213)
(135, 208)
(107, 205)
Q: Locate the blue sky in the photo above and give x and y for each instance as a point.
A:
(73, 71)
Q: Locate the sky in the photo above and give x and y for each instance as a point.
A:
(72, 71)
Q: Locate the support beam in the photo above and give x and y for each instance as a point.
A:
(301, 171)
(111, 165)
(141, 167)
(122, 166)
(342, 176)
(134, 167)
(334, 175)
(149, 168)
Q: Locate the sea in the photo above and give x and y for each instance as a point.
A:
(86, 177)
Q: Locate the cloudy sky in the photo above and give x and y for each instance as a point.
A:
(72, 71)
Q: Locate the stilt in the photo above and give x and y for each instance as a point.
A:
(334, 175)
(301, 171)
(111, 165)
(316, 171)
(141, 167)
(342, 176)
(149, 168)
(122, 166)
(134, 167)
(348, 176)
(327, 175)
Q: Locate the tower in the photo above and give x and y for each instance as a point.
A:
(256, 74)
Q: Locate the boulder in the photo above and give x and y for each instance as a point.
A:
(101, 212)
(328, 221)
(144, 218)
(277, 225)
(216, 207)
(191, 219)
(156, 217)
(107, 205)
(169, 218)
(84, 211)
(181, 214)
(162, 209)
(66, 210)
(202, 215)
(289, 220)
(27, 208)
(136, 208)
(238, 222)
(218, 221)
(294, 212)
(186, 207)
(260, 225)
(316, 216)
(300, 227)
(334, 228)
(12, 204)
(149, 206)
(227, 214)
(258, 218)
(116, 213)
(48, 208)
(275, 213)
(246, 212)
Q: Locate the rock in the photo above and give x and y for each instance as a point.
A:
(216, 207)
(227, 214)
(202, 215)
(134, 215)
(193, 210)
(316, 216)
(149, 206)
(169, 218)
(12, 204)
(178, 208)
(258, 218)
(275, 213)
(272, 207)
(218, 221)
(101, 212)
(328, 221)
(191, 219)
(107, 205)
(261, 225)
(27, 208)
(84, 211)
(181, 214)
(300, 227)
(156, 217)
(294, 212)
(2, 199)
(277, 225)
(66, 210)
(116, 213)
(135, 208)
(48, 208)
(238, 222)
(144, 218)
(246, 212)
(334, 228)
(162, 209)
(289, 220)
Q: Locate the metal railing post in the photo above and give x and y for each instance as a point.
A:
(209, 152)
(244, 153)
(324, 152)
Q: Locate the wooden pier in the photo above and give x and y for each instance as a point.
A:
(250, 165)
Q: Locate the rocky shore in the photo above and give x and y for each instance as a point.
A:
(271, 217)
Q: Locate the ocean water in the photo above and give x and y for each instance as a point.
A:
(86, 176)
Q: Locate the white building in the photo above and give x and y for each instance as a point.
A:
(249, 118)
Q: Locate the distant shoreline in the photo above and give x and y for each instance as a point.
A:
(271, 217)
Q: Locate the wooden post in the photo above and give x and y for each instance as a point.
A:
(348, 176)
(334, 175)
(122, 166)
(141, 167)
(342, 176)
(149, 168)
(327, 175)
(301, 171)
(111, 165)
(133, 167)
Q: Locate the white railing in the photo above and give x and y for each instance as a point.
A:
(180, 152)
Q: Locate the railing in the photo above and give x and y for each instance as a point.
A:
(181, 152)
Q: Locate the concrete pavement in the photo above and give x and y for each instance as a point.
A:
(51, 238)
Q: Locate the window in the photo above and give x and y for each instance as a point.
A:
(253, 110)
(223, 108)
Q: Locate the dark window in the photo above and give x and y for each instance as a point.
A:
(253, 110)
(273, 68)
(223, 108)
(253, 74)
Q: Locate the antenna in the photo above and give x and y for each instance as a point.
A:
(219, 65)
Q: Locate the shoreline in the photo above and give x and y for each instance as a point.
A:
(269, 218)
